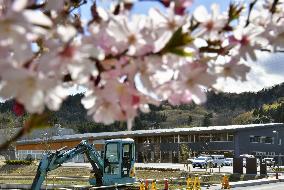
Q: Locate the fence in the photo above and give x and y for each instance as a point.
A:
(7, 155)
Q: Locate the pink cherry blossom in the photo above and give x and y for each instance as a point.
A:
(247, 40)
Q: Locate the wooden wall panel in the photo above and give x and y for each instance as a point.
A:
(53, 145)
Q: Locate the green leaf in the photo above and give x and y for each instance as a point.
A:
(177, 42)
(181, 52)
(234, 11)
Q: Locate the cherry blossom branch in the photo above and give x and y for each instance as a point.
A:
(35, 121)
(13, 139)
(273, 7)
(78, 5)
(272, 51)
(251, 5)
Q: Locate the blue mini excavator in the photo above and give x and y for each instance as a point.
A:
(116, 166)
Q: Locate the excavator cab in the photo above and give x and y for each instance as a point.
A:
(119, 159)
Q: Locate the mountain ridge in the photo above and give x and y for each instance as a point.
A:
(220, 109)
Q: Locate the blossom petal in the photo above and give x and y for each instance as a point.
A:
(19, 5)
(37, 17)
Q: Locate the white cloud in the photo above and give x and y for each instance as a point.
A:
(266, 72)
(76, 89)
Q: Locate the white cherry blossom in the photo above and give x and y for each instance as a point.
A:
(234, 69)
(31, 89)
(165, 25)
(128, 32)
(210, 24)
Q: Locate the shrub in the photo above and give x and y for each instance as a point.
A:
(18, 162)
(157, 169)
(29, 158)
(278, 169)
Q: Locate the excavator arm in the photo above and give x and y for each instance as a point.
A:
(54, 160)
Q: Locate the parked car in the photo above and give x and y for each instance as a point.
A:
(190, 160)
(218, 160)
(202, 162)
(269, 161)
(228, 161)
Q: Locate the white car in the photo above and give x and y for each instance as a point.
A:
(190, 160)
(202, 162)
(228, 161)
(269, 161)
(218, 160)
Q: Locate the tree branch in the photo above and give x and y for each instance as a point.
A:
(276, 51)
(251, 5)
(18, 135)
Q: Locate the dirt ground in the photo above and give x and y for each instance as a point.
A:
(30, 170)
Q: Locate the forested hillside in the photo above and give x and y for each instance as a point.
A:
(220, 109)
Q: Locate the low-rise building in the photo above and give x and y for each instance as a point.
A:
(165, 145)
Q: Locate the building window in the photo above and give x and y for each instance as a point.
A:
(254, 139)
(190, 138)
(157, 139)
(150, 139)
(268, 140)
(140, 140)
(230, 137)
(219, 137)
(183, 138)
(196, 138)
(204, 138)
(167, 139)
(261, 139)
(216, 137)
(176, 138)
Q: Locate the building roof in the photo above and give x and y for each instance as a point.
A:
(47, 133)
(153, 132)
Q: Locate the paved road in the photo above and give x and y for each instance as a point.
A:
(272, 186)
(225, 169)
